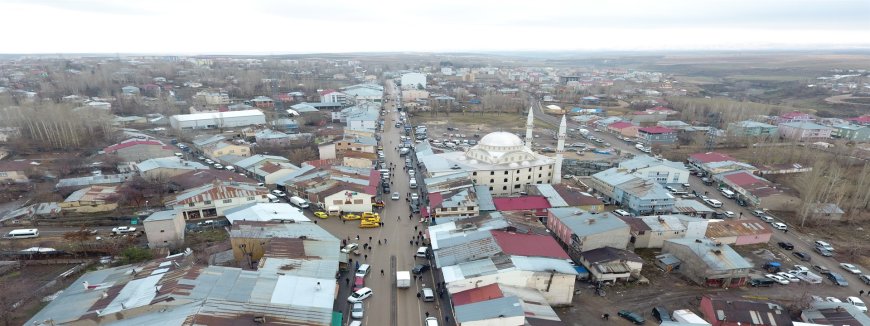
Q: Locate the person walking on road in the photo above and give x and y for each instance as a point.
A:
(385, 240)
(366, 257)
(382, 272)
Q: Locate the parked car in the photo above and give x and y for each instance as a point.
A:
(356, 311)
(824, 252)
(786, 245)
(761, 282)
(777, 279)
(278, 193)
(661, 314)
(822, 269)
(395, 196)
(858, 303)
(359, 295)
(780, 226)
(850, 268)
(789, 277)
(838, 279)
(363, 270)
(350, 248)
(631, 316)
(420, 269)
(802, 256)
(832, 299)
(865, 278)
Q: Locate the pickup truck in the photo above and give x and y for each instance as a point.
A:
(123, 230)
(806, 276)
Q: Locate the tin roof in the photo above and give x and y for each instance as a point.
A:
(490, 309)
(585, 223)
(265, 212)
(217, 190)
(519, 244)
(483, 293)
(735, 228)
(521, 203)
(710, 157)
(718, 257)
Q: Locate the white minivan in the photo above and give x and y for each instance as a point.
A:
(413, 184)
(727, 193)
(272, 198)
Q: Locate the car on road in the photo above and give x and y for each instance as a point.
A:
(359, 282)
(824, 252)
(278, 193)
(822, 269)
(838, 279)
(858, 303)
(359, 295)
(824, 245)
(730, 214)
(786, 245)
(430, 321)
(350, 248)
(777, 279)
(800, 268)
(363, 270)
(123, 230)
(850, 268)
(802, 256)
(218, 166)
(420, 269)
(780, 226)
(761, 282)
(865, 278)
(320, 215)
(395, 196)
(414, 196)
(631, 316)
(356, 311)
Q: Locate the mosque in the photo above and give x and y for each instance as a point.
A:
(504, 162)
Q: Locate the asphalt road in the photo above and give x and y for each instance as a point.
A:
(388, 305)
(802, 242)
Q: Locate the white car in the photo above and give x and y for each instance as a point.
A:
(350, 248)
(414, 196)
(123, 229)
(858, 303)
(278, 193)
(730, 214)
(779, 226)
(832, 299)
(218, 166)
(363, 270)
(395, 196)
(356, 311)
(850, 268)
(359, 295)
(777, 279)
(800, 268)
(789, 277)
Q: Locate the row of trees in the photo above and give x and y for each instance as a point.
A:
(55, 126)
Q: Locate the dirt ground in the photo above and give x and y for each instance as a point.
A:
(25, 281)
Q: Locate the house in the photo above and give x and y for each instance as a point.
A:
(699, 159)
(563, 195)
(217, 120)
(657, 135)
(739, 232)
(165, 229)
(643, 196)
(580, 231)
(163, 168)
(363, 116)
(91, 200)
(196, 178)
(801, 131)
(536, 205)
(863, 120)
(272, 137)
(758, 191)
(708, 262)
(652, 231)
(364, 93)
(357, 144)
(657, 169)
(715, 168)
(623, 128)
(693, 208)
(137, 150)
(130, 90)
(349, 197)
(254, 241)
(855, 133)
(332, 96)
(834, 313)
(793, 116)
(211, 200)
(263, 102)
(677, 125)
(215, 151)
(609, 264)
(829, 211)
(265, 212)
(750, 129)
(735, 311)
(413, 80)
(455, 203)
(15, 171)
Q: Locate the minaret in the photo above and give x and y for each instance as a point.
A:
(560, 147)
(530, 123)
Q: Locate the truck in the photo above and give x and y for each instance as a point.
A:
(299, 202)
(403, 279)
(807, 276)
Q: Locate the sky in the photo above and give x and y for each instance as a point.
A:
(339, 26)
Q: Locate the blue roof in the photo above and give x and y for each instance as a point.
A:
(581, 224)
(484, 198)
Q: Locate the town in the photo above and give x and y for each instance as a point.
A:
(241, 190)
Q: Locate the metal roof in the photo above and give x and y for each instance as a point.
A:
(265, 212)
(93, 180)
(171, 162)
(646, 161)
(161, 215)
(484, 198)
(490, 309)
(218, 115)
(706, 250)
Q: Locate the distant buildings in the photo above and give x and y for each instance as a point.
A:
(413, 80)
(855, 133)
(216, 120)
(136, 150)
(749, 128)
(801, 131)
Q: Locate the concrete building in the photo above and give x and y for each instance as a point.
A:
(623, 128)
(693, 208)
(332, 96)
(611, 265)
(652, 231)
(562, 195)
(709, 263)
(217, 120)
(454, 204)
(855, 133)
(721, 310)
(211, 200)
(165, 229)
(163, 168)
(749, 128)
(758, 191)
(15, 171)
(739, 232)
(265, 212)
(657, 135)
(801, 131)
(656, 169)
(263, 102)
(580, 231)
(834, 313)
(92, 199)
(364, 93)
(638, 195)
(793, 116)
(413, 80)
(221, 148)
(349, 198)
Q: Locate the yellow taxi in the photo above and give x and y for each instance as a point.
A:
(321, 215)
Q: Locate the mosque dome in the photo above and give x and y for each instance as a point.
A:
(501, 139)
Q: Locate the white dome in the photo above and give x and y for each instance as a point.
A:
(501, 139)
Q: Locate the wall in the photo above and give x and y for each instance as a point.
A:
(523, 176)
(362, 202)
(13, 176)
(617, 238)
(88, 207)
(172, 234)
(517, 320)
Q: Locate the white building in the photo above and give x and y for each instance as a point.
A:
(349, 200)
(214, 120)
(655, 169)
(165, 229)
(411, 80)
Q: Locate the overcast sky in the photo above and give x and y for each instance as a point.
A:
(305, 26)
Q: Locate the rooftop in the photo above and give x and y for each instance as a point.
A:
(717, 256)
(805, 125)
(521, 203)
(490, 309)
(710, 157)
(265, 212)
(518, 244)
(483, 293)
(161, 216)
(583, 223)
(93, 193)
(218, 115)
(171, 162)
(217, 190)
(734, 228)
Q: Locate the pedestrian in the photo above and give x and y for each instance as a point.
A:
(416, 243)
(315, 221)
(410, 215)
(385, 240)
(382, 272)
(785, 231)
(411, 242)
(427, 314)
(418, 295)
(357, 236)
(415, 228)
(343, 221)
(366, 257)
(446, 319)
(379, 242)
(346, 281)
(861, 293)
(370, 238)
(397, 218)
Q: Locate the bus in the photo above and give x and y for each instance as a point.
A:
(23, 234)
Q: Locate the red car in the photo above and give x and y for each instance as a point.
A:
(358, 283)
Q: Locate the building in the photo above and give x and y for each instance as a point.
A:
(563, 195)
(212, 98)
(758, 191)
(130, 90)
(536, 205)
(652, 231)
(751, 129)
(332, 96)
(640, 196)
(211, 200)
(855, 133)
(413, 80)
(349, 197)
(217, 120)
(693, 208)
(623, 128)
(708, 262)
(699, 159)
(163, 168)
(165, 229)
(829, 211)
(834, 313)
(735, 311)
(801, 131)
(656, 169)
(657, 135)
(263, 102)
(356, 144)
(221, 148)
(364, 116)
(92, 199)
(265, 212)
(15, 171)
(196, 178)
(580, 231)
(611, 265)
(739, 232)
(364, 93)
(496, 304)
(102, 179)
(137, 150)
(793, 116)
(456, 203)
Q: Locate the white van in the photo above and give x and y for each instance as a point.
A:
(620, 212)
(22, 234)
(413, 183)
(727, 193)
(272, 198)
(299, 202)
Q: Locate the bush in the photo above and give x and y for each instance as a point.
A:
(133, 255)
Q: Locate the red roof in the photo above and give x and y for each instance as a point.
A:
(435, 199)
(710, 157)
(793, 114)
(130, 143)
(483, 293)
(659, 108)
(743, 179)
(656, 130)
(864, 119)
(323, 164)
(327, 92)
(532, 245)
(521, 203)
(620, 125)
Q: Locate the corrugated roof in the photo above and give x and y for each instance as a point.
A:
(171, 162)
(491, 309)
(218, 190)
(218, 115)
(710, 157)
(519, 244)
(521, 203)
(706, 249)
(483, 293)
(161, 215)
(265, 212)
(585, 223)
(734, 228)
(484, 198)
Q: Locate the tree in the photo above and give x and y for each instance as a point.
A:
(299, 155)
(132, 255)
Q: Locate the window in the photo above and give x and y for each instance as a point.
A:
(491, 172)
(550, 174)
(474, 173)
(191, 204)
(504, 188)
(518, 179)
(530, 169)
(161, 231)
(207, 202)
(252, 198)
(518, 171)
(453, 209)
(491, 180)
(357, 201)
(540, 168)
(470, 208)
(505, 172)
(505, 180)
(490, 188)
(539, 175)
(517, 186)
(228, 201)
(337, 202)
